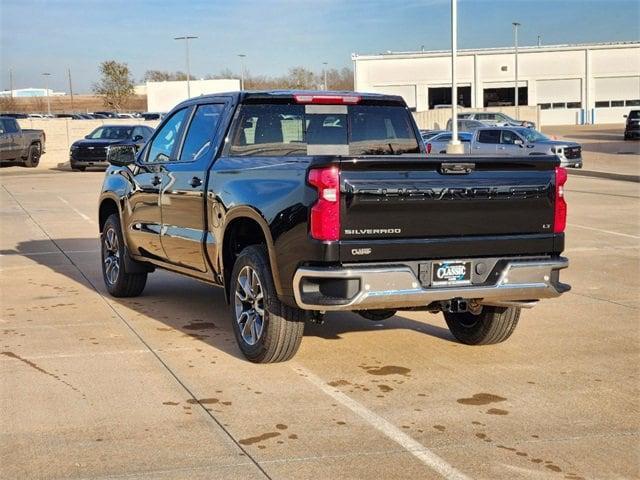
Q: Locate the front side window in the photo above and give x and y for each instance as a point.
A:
(163, 145)
(489, 136)
(201, 131)
(509, 137)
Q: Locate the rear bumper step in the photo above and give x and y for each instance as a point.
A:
(396, 286)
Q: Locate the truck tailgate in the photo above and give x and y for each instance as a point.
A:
(453, 205)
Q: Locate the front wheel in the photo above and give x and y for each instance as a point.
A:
(492, 325)
(266, 329)
(33, 156)
(119, 283)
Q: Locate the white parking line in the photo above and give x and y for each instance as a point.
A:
(85, 217)
(36, 254)
(418, 450)
(604, 231)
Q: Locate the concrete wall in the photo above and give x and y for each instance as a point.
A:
(62, 132)
(437, 119)
(163, 96)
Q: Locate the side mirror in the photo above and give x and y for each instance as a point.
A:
(518, 142)
(137, 138)
(624, 116)
(121, 155)
(87, 136)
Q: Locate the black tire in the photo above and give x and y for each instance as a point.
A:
(376, 315)
(492, 325)
(274, 335)
(79, 169)
(33, 156)
(119, 283)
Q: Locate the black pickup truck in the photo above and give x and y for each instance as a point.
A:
(299, 203)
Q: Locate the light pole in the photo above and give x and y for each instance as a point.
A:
(242, 57)
(326, 87)
(454, 146)
(186, 39)
(70, 88)
(11, 82)
(515, 43)
(46, 89)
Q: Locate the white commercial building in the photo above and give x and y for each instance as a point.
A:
(30, 92)
(163, 96)
(590, 83)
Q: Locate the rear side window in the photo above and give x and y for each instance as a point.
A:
(283, 130)
(489, 136)
(201, 131)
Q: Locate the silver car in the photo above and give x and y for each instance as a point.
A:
(438, 143)
(466, 125)
(518, 141)
(496, 118)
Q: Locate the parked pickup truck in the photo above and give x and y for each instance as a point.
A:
(20, 145)
(299, 203)
(518, 141)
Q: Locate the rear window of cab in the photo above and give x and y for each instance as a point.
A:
(298, 130)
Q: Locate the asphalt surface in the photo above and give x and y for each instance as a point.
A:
(155, 388)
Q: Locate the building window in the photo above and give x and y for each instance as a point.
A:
(544, 106)
(617, 103)
(574, 104)
(559, 105)
(633, 103)
(602, 104)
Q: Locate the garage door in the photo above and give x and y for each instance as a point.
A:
(617, 88)
(408, 92)
(554, 91)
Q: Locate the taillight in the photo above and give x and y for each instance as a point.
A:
(560, 215)
(327, 99)
(325, 214)
(428, 147)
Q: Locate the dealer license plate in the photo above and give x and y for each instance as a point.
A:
(450, 273)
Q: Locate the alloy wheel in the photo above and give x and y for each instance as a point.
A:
(249, 305)
(111, 256)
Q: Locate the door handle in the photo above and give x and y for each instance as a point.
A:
(156, 181)
(195, 182)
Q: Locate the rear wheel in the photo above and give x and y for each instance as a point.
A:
(492, 325)
(119, 283)
(79, 169)
(266, 329)
(33, 156)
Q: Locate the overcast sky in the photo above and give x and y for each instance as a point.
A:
(39, 35)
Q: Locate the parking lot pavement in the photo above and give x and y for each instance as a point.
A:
(155, 387)
(604, 148)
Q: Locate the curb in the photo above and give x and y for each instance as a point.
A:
(608, 175)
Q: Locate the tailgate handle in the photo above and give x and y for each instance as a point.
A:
(457, 168)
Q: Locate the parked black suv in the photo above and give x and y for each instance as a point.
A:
(298, 203)
(632, 127)
(92, 150)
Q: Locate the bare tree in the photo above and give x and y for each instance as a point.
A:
(115, 85)
(162, 76)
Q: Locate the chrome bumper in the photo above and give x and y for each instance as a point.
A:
(397, 286)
